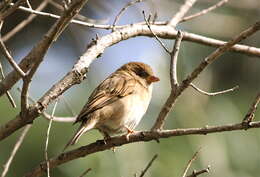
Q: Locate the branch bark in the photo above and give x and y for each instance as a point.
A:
(135, 137)
(125, 33)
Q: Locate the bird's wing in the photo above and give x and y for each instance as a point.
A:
(110, 90)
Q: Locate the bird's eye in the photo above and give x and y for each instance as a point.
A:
(142, 73)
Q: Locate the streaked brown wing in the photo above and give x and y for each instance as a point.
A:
(110, 90)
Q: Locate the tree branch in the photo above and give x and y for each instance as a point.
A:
(208, 60)
(8, 94)
(10, 59)
(135, 137)
(124, 9)
(11, 10)
(38, 52)
(214, 93)
(251, 112)
(180, 14)
(149, 165)
(129, 31)
(203, 12)
(15, 149)
(190, 162)
(197, 173)
(24, 23)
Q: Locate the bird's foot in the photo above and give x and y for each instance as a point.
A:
(129, 131)
(106, 139)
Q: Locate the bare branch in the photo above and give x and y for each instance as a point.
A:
(9, 96)
(124, 9)
(174, 59)
(25, 22)
(59, 119)
(203, 12)
(15, 149)
(79, 16)
(251, 112)
(79, 22)
(28, 4)
(156, 37)
(48, 116)
(85, 172)
(38, 52)
(47, 139)
(197, 173)
(214, 93)
(10, 58)
(190, 162)
(135, 137)
(217, 53)
(208, 60)
(125, 33)
(180, 14)
(10, 10)
(168, 105)
(149, 165)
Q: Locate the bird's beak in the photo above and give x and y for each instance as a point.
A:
(151, 79)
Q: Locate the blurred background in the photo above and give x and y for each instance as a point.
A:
(232, 154)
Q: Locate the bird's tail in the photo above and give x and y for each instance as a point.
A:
(81, 130)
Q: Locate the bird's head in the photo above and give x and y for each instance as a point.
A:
(142, 71)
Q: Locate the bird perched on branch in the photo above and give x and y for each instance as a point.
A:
(118, 104)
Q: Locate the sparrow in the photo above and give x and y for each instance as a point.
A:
(118, 104)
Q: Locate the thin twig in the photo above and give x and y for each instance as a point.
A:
(85, 172)
(59, 119)
(48, 116)
(182, 11)
(197, 173)
(251, 112)
(149, 165)
(190, 162)
(79, 22)
(28, 4)
(10, 10)
(47, 140)
(124, 9)
(79, 16)
(174, 59)
(213, 93)
(9, 96)
(15, 149)
(203, 12)
(10, 58)
(25, 22)
(156, 37)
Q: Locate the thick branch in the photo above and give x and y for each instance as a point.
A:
(135, 137)
(127, 32)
